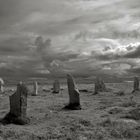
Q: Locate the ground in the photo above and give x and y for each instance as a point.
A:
(106, 116)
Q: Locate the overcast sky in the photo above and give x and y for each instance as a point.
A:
(83, 37)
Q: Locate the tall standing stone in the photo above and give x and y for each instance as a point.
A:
(1, 85)
(99, 86)
(74, 94)
(136, 84)
(56, 86)
(35, 91)
(18, 106)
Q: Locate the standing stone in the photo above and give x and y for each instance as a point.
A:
(56, 86)
(136, 84)
(35, 92)
(18, 106)
(74, 94)
(1, 85)
(99, 86)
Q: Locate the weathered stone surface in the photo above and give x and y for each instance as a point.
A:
(74, 94)
(136, 84)
(99, 86)
(1, 85)
(56, 86)
(35, 92)
(18, 106)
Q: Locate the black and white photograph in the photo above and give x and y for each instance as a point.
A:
(69, 69)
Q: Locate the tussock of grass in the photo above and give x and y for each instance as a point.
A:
(133, 114)
(119, 93)
(129, 103)
(121, 128)
(116, 110)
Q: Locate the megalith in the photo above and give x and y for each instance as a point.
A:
(35, 88)
(136, 84)
(74, 94)
(1, 85)
(56, 87)
(18, 106)
(99, 86)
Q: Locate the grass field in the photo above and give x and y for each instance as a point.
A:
(106, 116)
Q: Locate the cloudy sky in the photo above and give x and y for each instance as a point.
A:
(82, 37)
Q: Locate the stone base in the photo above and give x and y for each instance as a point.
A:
(10, 118)
(95, 93)
(135, 91)
(55, 92)
(33, 94)
(73, 107)
(105, 90)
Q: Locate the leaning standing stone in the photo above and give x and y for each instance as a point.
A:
(18, 106)
(74, 94)
(136, 84)
(56, 86)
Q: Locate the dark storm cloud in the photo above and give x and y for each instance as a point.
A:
(82, 36)
(133, 53)
(106, 56)
(134, 71)
(48, 53)
(14, 46)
